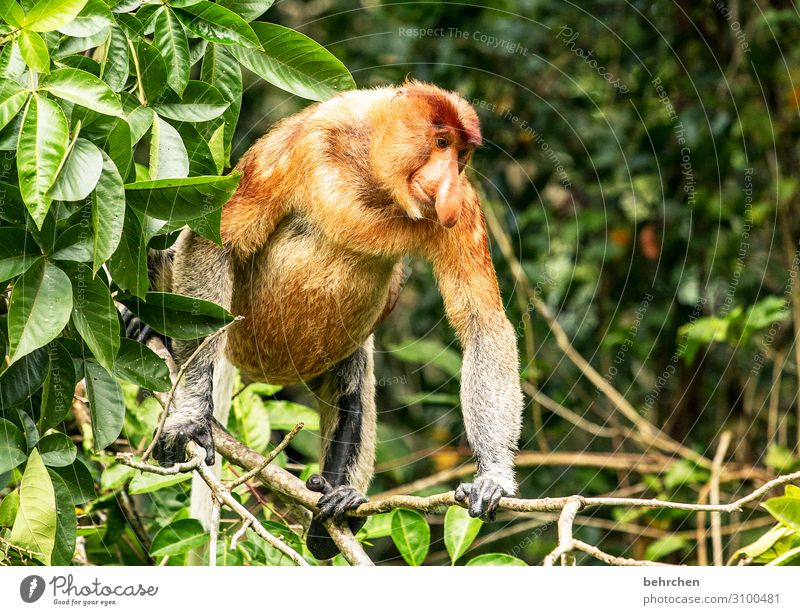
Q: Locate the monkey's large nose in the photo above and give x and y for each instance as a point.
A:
(448, 201)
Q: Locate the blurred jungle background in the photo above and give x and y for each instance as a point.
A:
(639, 177)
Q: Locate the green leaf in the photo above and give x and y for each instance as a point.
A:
(428, 352)
(662, 547)
(128, 264)
(41, 302)
(179, 200)
(295, 63)
(179, 316)
(34, 51)
(138, 364)
(83, 89)
(179, 537)
(108, 213)
(114, 69)
(93, 18)
(12, 99)
(140, 120)
(12, 66)
(18, 251)
(152, 69)
(248, 9)
(168, 156)
(43, 144)
(80, 172)
(67, 522)
(201, 161)
(35, 523)
(790, 558)
(792, 491)
(57, 450)
(786, 510)
(764, 543)
(252, 419)
(105, 404)
(23, 378)
(200, 102)
(74, 244)
(145, 482)
(11, 12)
(496, 559)
(170, 38)
(94, 315)
(59, 386)
(13, 447)
(285, 414)
(217, 24)
(216, 147)
(9, 506)
(460, 531)
(79, 481)
(222, 70)
(49, 15)
(411, 535)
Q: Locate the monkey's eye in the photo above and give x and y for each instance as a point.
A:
(441, 142)
(462, 153)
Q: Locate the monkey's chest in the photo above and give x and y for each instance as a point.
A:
(307, 305)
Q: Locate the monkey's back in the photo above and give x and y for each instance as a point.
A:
(307, 303)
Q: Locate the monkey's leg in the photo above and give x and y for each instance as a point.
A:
(200, 270)
(348, 421)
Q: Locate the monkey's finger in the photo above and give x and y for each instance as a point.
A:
(479, 498)
(462, 492)
(205, 440)
(494, 502)
(348, 502)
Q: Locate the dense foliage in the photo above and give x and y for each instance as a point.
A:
(639, 177)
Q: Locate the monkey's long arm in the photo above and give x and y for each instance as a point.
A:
(491, 398)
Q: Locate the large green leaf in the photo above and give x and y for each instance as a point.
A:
(57, 450)
(41, 302)
(34, 51)
(105, 404)
(49, 15)
(79, 481)
(170, 37)
(411, 535)
(785, 509)
(94, 315)
(428, 352)
(178, 537)
(18, 251)
(460, 531)
(35, 524)
(496, 559)
(66, 522)
(80, 172)
(128, 264)
(295, 63)
(108, 213)
(9, 506)
(114, 69)
(138, 364)
(73, 244)
(179, 316)
(200, 102)
(252, 419)
(181, 200)
(42, 146)
(248, 9)
(12, 99)
(23, 378)
(59, 386)
(168, 156)
(83, 89)
(11, 12)
(93, 18)
(147, 482)
(152, 70)
(13, 447)
(222, 70)
(217, 24)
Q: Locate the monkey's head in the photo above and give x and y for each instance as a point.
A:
(427, 137)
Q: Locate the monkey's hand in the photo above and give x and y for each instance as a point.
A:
(484, 495)
(170, 447)
(335, 501)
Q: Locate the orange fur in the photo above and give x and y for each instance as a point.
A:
(327, 209)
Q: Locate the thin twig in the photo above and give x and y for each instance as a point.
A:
(713, 498)
(269, 458)
(214, 532)
(176, 382)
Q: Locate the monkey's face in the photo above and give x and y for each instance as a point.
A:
(427, 138)
(436, 184)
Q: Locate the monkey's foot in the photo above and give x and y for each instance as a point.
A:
(334, 503)
(171, 445)
(483, 496)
